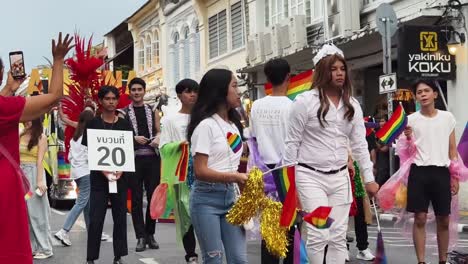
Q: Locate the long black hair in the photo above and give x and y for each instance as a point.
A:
(35, 132)
(212, 94)
(85, 117)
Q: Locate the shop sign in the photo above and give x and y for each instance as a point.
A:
(423, 53)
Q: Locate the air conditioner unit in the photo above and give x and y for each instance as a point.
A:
(343, 18)
(273, 40)
(251, 55)
(256, 54)
(268, 45)
(295, 33)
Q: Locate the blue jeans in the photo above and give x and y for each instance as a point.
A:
(209, 204)
(81, 204)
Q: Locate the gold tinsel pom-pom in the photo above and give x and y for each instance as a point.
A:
(275, 236)
(250, 201)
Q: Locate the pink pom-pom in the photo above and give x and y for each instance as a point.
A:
(454, 169)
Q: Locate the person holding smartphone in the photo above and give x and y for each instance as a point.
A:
(145, 124)
(214, 123)
(33, 146)
(15, 245)
(99, 197)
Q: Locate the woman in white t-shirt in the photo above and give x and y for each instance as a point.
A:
(78, 157)
(215, 134)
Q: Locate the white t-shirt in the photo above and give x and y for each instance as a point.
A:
(268, 124)
(211, 138)
(431, 135)
(174, 128)
(78, 157)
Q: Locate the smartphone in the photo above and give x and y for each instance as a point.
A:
(17, 65)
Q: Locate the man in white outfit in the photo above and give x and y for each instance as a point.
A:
(323, 123)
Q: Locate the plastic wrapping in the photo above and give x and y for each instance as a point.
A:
(393, 197)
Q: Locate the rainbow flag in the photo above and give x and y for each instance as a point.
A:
(300, 253)
(285, 181)
(28, 195)
(320, 217)
(63, 166)
(393, 127)
(463, 146)
(380, 257)
(298, 84)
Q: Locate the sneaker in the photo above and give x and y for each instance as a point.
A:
(62, 235)
(365, 255)
(43, 255)
(104, 237)
(193, 260)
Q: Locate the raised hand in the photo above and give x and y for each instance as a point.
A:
(61, 47)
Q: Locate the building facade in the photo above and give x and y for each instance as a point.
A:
(145, 27)
(223, 29)
(183, 43)
(295, 30)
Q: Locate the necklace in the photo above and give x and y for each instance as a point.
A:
(104, 123)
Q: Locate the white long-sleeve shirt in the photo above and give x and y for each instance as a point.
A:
(326, 148)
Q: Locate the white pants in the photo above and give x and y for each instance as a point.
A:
(315, 190)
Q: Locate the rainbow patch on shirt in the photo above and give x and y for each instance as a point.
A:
(234, 141)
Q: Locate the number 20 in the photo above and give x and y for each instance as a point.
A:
(102, 161)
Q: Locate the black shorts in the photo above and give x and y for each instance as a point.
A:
(429, 184)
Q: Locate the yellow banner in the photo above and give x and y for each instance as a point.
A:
(36, 75)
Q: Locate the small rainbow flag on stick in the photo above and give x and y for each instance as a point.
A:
(300, 253)
(393, 127)
(298, 84)
(320, 217)
(285, 181)
(28, 195)
(182, 165)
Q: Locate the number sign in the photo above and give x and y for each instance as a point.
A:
(110, 150)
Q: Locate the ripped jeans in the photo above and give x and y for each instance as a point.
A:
(209, 204)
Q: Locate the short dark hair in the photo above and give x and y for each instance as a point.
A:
(108, 89)
(276, 71)
(189, 84)
(416, 83)
(137, 81)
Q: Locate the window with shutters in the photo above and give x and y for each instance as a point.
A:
(156, 48)
(276, 11)
(187, 59)
(237, 26)
(176, 58)
(148, 53)
(314, 11)
(296, 7)
(217, 34)
(141, 56)
(197, 52)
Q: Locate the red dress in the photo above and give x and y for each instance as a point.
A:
(15, 245)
